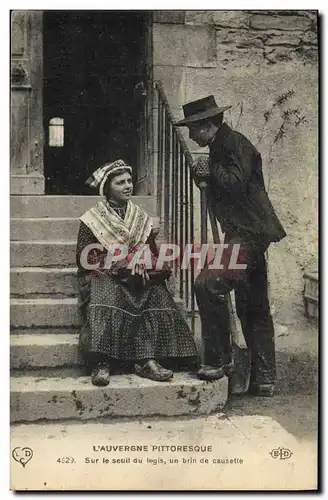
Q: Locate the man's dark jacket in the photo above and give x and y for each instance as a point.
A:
(236, 189)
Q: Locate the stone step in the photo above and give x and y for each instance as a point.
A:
(43, 312)
(73, 371)
(44, 229)
(34, 398)
(48, 312)
(63, 206)
(59, 330)
(35, 350)
(39, 280)
(45, 331)
(47, 353)
(43, 253)
(31, 351)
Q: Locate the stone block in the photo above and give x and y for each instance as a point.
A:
(237, 61)
(184, 46)
(34, 398)
(231, 18)
(278, 54)
(241, 39)
(280, 38)
(279, 22)
(200, 17)
(169, 16)
(173, 80)
(200, 82)
(19, 129)
(26, 184)
(18, 35)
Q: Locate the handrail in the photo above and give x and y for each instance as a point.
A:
(182, 141)
(175, 199)
(174, 190)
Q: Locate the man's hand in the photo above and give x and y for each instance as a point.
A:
(201, 170)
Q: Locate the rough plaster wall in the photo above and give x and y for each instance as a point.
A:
(265, 65)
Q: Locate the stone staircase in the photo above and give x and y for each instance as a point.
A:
(47, 376)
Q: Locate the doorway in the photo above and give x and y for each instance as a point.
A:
(95, 72)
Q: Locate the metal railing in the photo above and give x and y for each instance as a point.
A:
(175, 203)
(174, 191)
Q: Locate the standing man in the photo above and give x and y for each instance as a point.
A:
(237, 196)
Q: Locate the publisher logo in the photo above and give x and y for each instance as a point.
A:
(22, 455)
(281, 453)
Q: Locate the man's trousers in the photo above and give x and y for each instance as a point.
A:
(253, 310)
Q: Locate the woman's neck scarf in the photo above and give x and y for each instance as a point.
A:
(118, 207)
(109, 228)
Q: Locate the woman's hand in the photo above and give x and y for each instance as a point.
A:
(100, 272)
(119, 266)
(141, 270)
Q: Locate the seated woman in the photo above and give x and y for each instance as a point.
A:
(129, 315)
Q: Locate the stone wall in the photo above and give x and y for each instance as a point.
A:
(26, 137)
(264, 64)
(26, 93)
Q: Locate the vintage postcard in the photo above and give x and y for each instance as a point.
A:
(164, 280)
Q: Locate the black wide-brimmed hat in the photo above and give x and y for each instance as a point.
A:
(200, 110)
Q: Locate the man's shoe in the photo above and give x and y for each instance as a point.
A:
(100, 375)
(264, 390)
(229, 368)
(208, 372)
(153, 371)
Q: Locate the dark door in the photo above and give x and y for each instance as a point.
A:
(94, 66)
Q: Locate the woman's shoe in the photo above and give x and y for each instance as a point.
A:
(154, 371)
(100, 375)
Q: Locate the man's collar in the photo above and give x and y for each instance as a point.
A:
(221, 135)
